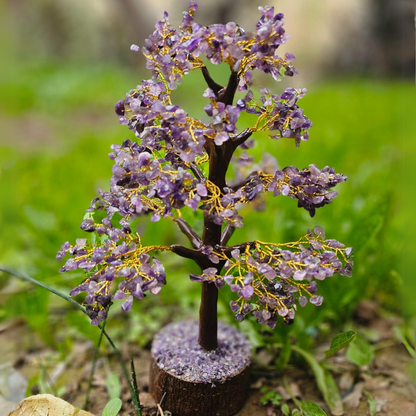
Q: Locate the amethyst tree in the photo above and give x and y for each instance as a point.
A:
(176, 162)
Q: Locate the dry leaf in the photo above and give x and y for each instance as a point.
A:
(282, 391)
(270, 412)
(47, 405)
(6, 406)
(367, 311)
(264, 358)
(258, 384)
(147, 401)
(375, 383)
(5, 325)
(380, 404)
(353, 399)
(346, 381)
(295, 390)
(399, 377)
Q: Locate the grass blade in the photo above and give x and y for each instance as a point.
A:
(134, 378)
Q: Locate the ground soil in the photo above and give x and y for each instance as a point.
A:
(24, 356)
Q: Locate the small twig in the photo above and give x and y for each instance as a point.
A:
(189, 232)
(159, 407)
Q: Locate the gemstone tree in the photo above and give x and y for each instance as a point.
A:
(177, 162)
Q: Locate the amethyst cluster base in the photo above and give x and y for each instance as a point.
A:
(176, 350)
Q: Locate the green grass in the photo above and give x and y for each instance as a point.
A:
(60, 124)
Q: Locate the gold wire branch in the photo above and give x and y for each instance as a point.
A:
(131, 259)
(255, 253)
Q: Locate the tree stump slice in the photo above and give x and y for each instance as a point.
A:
(188, 381)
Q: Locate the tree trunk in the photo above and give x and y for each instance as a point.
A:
(208, 321)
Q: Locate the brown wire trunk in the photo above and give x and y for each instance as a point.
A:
(208, 321)
(219, 159)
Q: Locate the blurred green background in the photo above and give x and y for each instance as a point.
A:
(69, 62)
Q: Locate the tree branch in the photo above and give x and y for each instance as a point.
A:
(195, 255)
(197, 172)
(241, 137)
(189, 232)
(198, 257)
(211, 83)
(226, 95)
(227, 250)
(226, 153)
(245, 181)
(226, 234)
(223, 94)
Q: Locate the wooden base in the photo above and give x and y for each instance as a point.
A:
(183, 398)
